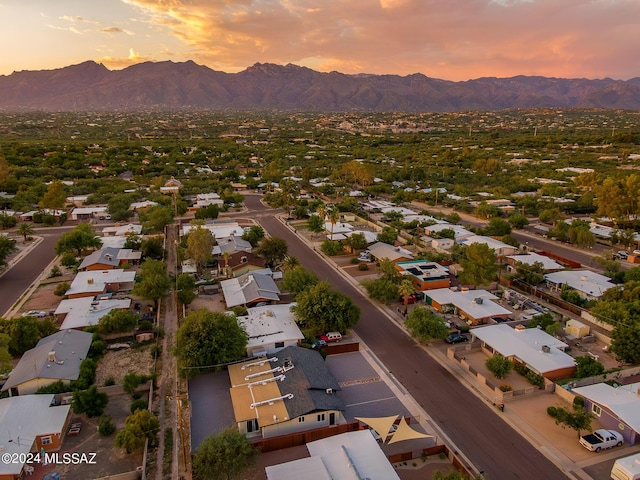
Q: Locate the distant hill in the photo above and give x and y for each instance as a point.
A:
(90, 86)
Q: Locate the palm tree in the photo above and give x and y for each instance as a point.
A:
(405, 289)
(334, 216)
(26, 230)
(290, 262)
(226, 264)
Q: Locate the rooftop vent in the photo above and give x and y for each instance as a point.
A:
(51, 356)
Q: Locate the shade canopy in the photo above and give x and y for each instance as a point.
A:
(405, 432)
(382, 425)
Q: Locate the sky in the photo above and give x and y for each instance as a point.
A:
(446, 39)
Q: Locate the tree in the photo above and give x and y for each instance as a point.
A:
(498, 365)
(7, 247)
(156, 218)
(424, 325)
(298, 279)
(24, 334)
(356, 241)
(533, 274)
(322, 309)
(5, 357)
(154, 282)
(273, 250)
(388, 235)
(388, 270)
(479, 264)
(186, 288)
(315, 224)
(90, 401)
(200, 243)
(206, 340)
(55, 196)
(210, 211)
(498, 227)
(406, 289)
(26, 230)
(486, 210)
(381, 289)
(588, 367)
(625, 342)
(518, 220)
(577, 420)
(117, 321)
(225, 455)
(138, 427)
(152, 248)
(290, 262)
(254, 235)
(132, 380)
(78, 240)
(331, 247)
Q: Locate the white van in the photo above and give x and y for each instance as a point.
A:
(627, 468)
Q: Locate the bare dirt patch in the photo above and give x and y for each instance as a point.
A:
(117, 363)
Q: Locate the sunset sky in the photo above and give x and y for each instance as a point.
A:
(447, 39)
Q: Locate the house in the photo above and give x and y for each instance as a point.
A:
(231, 244)
(56, 357)
(533, 347)
(337, 458)
(289, 393)
(78, 313)
(616, 408)
(270, 328)
(531, 258)
(122, 230)
(500, 248)
(28, 216)
(142, 206)
(249, 289)
(95, 282)
(589, 284)
(476, 306)
(458, 231)
(380, 250)
(103, 259)
(206, 199)
(29, 424)
(171, 186)
(87, 213)
(425, 275)
(218, 228)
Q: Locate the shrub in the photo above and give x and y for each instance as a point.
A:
(106, 426)
(552, 411)
(363, 266)
(578, 402)
(97, 348)
(55, 272)
(139, 404)
(354, 261)
(535, 379)
(68, 260)
(520, 368)
(61, 289)
(506, 387)
(109, 381)
(145, 325)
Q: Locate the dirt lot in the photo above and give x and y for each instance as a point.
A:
(117, 363)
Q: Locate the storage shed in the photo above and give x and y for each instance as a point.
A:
(577, 329)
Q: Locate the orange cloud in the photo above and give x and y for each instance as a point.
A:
(122, 62)
(453, 39)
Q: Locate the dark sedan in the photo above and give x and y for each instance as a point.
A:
(456, 338)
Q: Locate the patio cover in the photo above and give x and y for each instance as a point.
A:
(382, 425)
(405, 432)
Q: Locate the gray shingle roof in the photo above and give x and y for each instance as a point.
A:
(308, 380)
(70, 347)
(106, 256)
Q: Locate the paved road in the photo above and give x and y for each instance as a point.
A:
(19, 277)
(477, 429)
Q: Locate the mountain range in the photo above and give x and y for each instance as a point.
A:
(90, 86)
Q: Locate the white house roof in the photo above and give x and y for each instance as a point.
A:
(113, 241)
(586, 281)
(143, 204)
(458, 230)
(526, 345)
(531, 258)
(96, 280)
(309, 468)
(384, 250)
(499, 247)
(623, 401)
(338, 227)
(423, 269)
(119, 230)
(468, 302)
(85, 311)
(270, 324)
(88, 210)
(370, 237)
(23, 418)
(218, 230)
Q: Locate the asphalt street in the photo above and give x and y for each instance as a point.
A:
(476, 428)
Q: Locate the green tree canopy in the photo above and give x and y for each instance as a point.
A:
(381, 289)
(138, 427)
(208, 339)
(588, 366)
(498, 365)
(479, 265)
(55, 196)
(117, 321)
(273, 250)
(200, 243)
(156, 218)
(7, 247)
(154, 282)
(254, 235)
(322, 309)
(315, 224)
(78, 240)
(90, 401)
(298, 280)
(225, 456)
(24, 334)
(388, 235)
(424, 325)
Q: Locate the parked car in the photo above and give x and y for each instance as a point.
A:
(456, 337)
(331, 337)
(601, 440)
(319, 343)
(621, 254)
(411, 300)
(35, 313)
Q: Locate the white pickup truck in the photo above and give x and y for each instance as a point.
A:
(601, 440)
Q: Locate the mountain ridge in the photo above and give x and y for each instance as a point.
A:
(90, 86)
